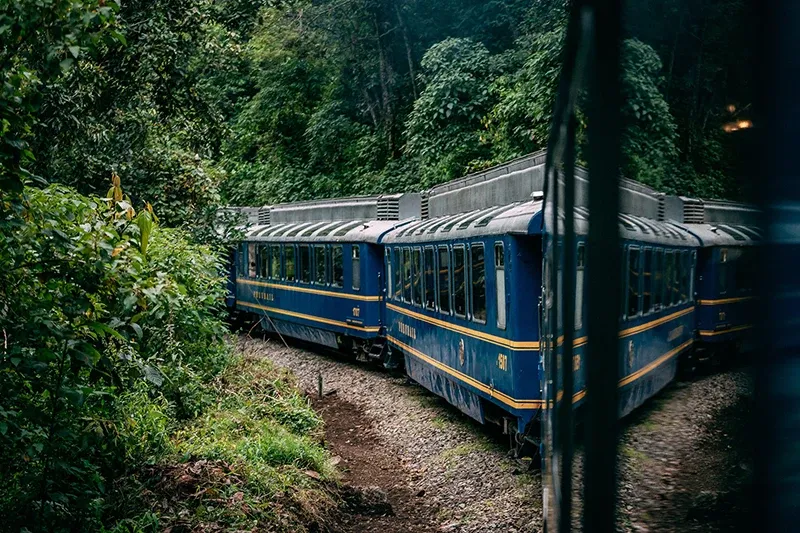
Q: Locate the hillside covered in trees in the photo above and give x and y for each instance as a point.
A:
(201, 102)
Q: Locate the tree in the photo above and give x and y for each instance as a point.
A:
(443, 128)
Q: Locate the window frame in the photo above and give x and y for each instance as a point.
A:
(286, 249)
(337, 283)
(637, 249)
(275, 251)
(252, 260)
(315, 266)
(580, 266)
(471, 278)
(355, 266)
(647, 279)
(387, 261)
(300, 248)
(449, 285)
(417, 292)
(501, 302)
(433, 270)
(463, 249)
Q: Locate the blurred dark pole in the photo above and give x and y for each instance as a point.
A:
(777, 413)
(603, 262)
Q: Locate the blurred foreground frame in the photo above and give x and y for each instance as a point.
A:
(774, 168)
(775, 176)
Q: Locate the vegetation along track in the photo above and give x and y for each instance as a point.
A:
(421, 465)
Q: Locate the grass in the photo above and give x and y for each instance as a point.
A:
(252, 461)
(465, 449)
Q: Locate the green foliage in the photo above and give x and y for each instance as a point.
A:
(104, 338)
(649, 135)
(443, 128)
(251, 461)
(520, 121)
(39, 44)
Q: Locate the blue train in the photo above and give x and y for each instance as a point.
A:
(458, 298)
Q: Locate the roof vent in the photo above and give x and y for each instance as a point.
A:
(693, 211)
(264, 216)
(388, 208)
(423, 207)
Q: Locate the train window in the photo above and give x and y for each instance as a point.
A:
(580, 259)
(684, 276)
(633, 281)
(722, 278)
(337, 260)
(289, 261)
(389, 277)
(304, 263)
(416, 265)
(356, 268)
(274, 262)
(500, 283)
(477, 270)
(744, 271)
(261, 265)
(319, 265)
(647, 281)
(669, 277)
(693, 261)
(459, 281)
(407, 275)
(251, 260)
(398, 274)
(328, 266)
(430, 278)
(444, 280)
(658, 278)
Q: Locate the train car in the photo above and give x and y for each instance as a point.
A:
(725, 288)
(656, 319)
(463, 307)
(321, 282)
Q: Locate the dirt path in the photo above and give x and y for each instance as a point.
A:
(385, 501)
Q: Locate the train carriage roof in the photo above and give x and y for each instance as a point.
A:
(525, 218)
(368, 231)
(724, 234)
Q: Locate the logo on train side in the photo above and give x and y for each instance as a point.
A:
(407, 330)
(461, 356)
(268, 296)
(675, 333)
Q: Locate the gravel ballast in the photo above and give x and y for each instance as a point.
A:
(454, 475)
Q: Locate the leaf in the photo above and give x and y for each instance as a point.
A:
(119, 37)
(75, 51)
(3, 428)
(129, 302)
(66, 64)
(138, 329)
(153, 375)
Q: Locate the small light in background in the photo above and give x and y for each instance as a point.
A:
(738, 125)
(731, 108)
